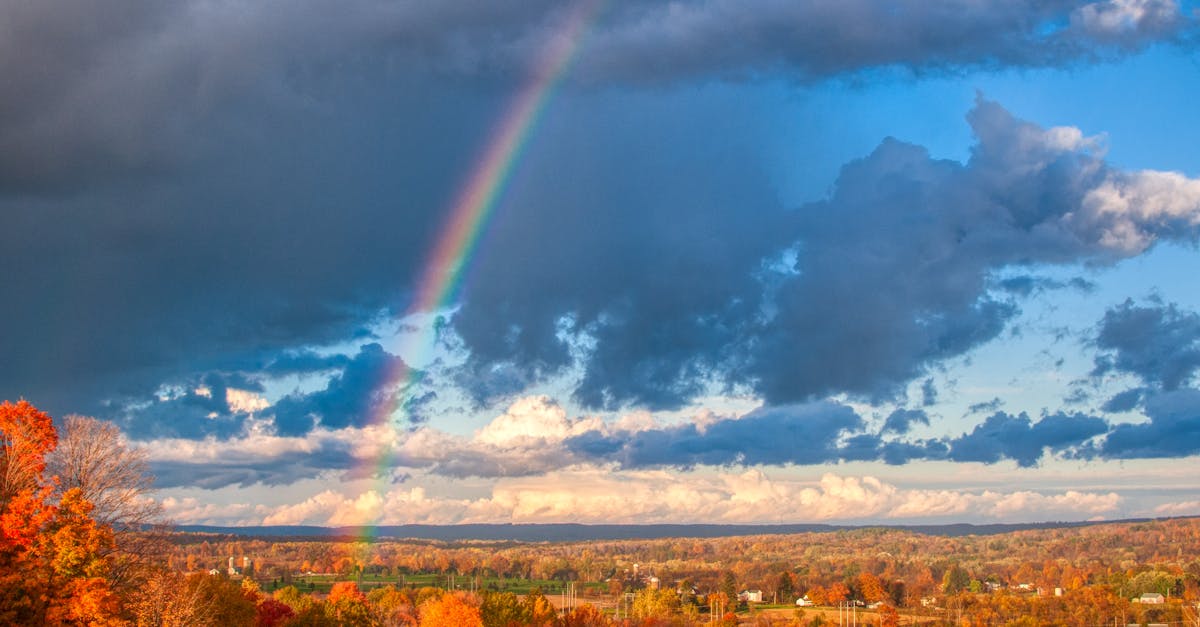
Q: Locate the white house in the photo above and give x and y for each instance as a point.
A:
(804, 601)
(754, 596)
(1151, 598)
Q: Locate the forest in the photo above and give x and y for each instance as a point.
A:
(81, 544)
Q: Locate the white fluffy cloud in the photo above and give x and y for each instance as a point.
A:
(533, 421)
(1180, 508)
(599, 495)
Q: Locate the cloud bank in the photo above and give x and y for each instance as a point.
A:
(590, 496)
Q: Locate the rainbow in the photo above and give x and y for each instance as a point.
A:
(442, 276)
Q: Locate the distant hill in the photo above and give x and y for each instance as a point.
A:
(568, 532)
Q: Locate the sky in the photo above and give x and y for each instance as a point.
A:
(704, 261)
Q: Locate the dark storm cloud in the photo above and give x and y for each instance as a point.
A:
(92, 90)
(664, 41)
(362, 392)
(215, 187)
(892, 274)
(642, 251)
(194, 411)
(1004, 436)
(1158, 343)
(95, 89)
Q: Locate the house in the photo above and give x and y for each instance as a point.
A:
(1151, 598)
(750, 596)
(804, 601)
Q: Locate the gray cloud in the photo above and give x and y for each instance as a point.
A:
(1160, 344)
(1018, 438)
(359, 395)
(214, 188)
(664, 41)
(1172, 431)
(282, 469)
(901, 420)
(799, 434)
(130, 85)
(822, 432)
(985, 406)
(1123, 401)
(895, 270)
(929, 393)
(195, 410)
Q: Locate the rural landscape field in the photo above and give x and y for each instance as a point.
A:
(588, 312)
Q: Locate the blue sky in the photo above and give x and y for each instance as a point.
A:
(758, 262)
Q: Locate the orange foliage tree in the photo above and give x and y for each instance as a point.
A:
(52, 564)
(586, 615)
(871, 588)
(449, 610)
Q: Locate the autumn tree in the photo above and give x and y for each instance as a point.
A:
(163, 600)
(221, 601)
(503, 609)
(392, 607)
(888, 616)
(94, 458)
(818, 595)
(955, 580)
(291, 596)
(651, 603)
(871, 588)
(541, 613)
(347, 605)
(729, 585)
(586, 615)
(785, 587)
(836, 593)
(53, 564)
(449, 610)
(26, 436)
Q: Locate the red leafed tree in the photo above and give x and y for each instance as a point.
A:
(26, 435)
(270, 613)
(53, 568)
